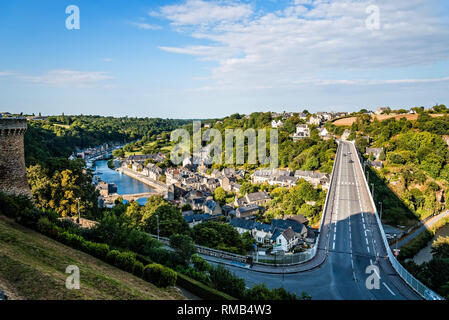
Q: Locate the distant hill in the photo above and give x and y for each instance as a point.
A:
(33, 267)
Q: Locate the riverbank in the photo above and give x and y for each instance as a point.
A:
(425, 238)
(425, 254)
(156, 185)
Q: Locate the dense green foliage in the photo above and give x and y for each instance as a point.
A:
(222, 236)
(434, 273)
(157, 212)
(158, 266)
(416, 164)
(293, 201)
(308, 154)
(59, 136)
(59, 184)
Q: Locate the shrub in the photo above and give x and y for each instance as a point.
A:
(200, 264)
(125, 261)
(100, 250)
(200, 289)
(112, 257)
(168, 278)
(138, 268)
(159, 275)
(72, 240)
(47, 228)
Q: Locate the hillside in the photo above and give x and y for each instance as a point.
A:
(33, 267)
(411, 117)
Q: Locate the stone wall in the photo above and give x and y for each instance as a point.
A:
(13, 179)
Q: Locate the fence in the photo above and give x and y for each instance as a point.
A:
(414, 283)
(281, 259)
(211, 252)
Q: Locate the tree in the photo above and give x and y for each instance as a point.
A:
(220, 195)
(183, 246)
(170, 218)
(440, 247)
(311, 164)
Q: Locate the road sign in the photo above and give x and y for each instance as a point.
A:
(396, 252)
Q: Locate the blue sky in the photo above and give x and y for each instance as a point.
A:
(200, 59)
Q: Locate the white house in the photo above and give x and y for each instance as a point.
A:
(276, 124)
(314, 120)
(302, 131)
(286, 239)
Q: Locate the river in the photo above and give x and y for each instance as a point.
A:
(125, 184)
(426, 254)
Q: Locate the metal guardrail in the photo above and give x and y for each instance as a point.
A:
(209, 251)
(414, 283)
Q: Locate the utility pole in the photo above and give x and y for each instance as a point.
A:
(157, 219)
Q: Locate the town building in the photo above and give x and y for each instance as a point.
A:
(314, 178)
(302, 131)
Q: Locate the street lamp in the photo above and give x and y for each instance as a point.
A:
(380, 202)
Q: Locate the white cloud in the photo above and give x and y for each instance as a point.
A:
(63, 78)
(199, 12)
(284, 48)
(145, 26)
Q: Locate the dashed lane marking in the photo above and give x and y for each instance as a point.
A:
(391, 291)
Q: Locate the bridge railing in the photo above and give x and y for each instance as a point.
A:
(414, 283)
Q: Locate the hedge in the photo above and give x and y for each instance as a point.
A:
(200, 289)
(138, 269)
(129, 261)
(159, 275)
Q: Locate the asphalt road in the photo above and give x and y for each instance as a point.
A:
(350, 242)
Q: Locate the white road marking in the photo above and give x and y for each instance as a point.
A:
(367, 248)
(388, 288)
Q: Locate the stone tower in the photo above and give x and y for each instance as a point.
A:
(13, 179)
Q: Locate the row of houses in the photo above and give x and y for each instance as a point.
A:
(286, 178)
(95, 151)
(283, 234)
(303, 131)
(315, 119)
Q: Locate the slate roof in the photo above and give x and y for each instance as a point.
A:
(198, 217)
(285, 224)
(289, 234)
(211, 204)
(258, 196)
(242, 223)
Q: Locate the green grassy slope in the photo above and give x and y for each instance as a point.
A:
(33, 266)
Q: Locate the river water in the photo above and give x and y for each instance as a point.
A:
(426, 254)
(125, 184)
